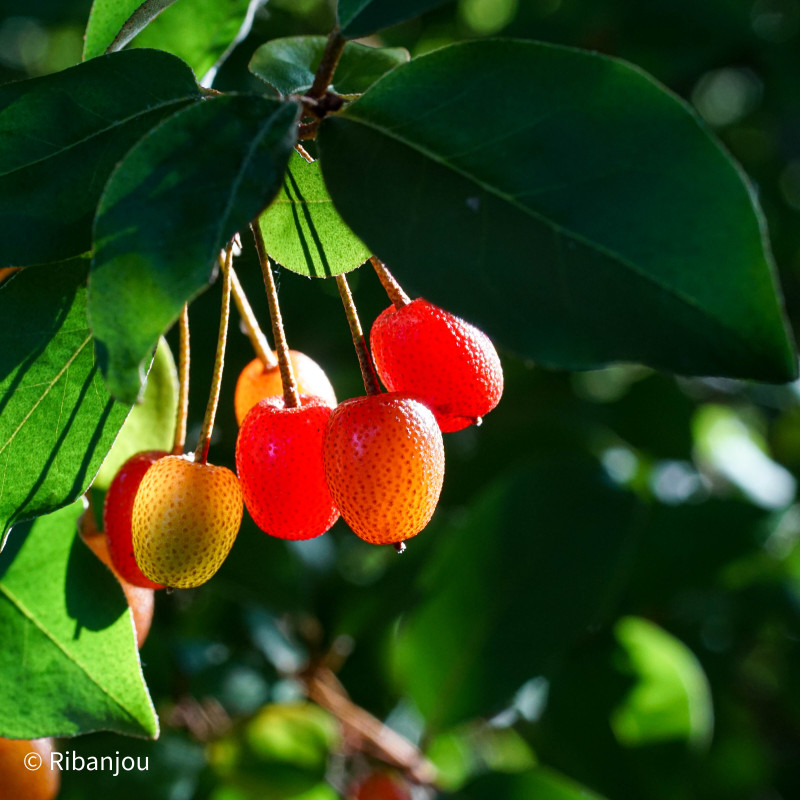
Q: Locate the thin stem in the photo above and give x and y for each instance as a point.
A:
(304, 153)
(364, 360)
(179, 442)
(201, 452)
(393, 289)
(291, 396)
(254, 332)
(328, 63)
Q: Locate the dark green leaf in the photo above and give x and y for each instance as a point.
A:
(506, 593)
(361, 17)
(113, 23)
(57, 421)
(69, 649)
(289, 64)
(567, 202)
(201, 32)
(303, 230)
(169, 208)
(60, 138)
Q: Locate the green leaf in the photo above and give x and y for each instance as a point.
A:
(358, 18)
(69, 649)
(671, 699)
(201, 32)
(151, 424)
(62, 135)
(113, 23)
(541, 784)
(568, 203)
(60, 138)
(506, 594)
(169, 208)
(289, 64)
(302, 229)
(57, 421)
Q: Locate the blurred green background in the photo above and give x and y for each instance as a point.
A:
(607, 600)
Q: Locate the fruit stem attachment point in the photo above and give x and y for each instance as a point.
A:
(291, 396)
(400, 547)
(393, 289)
(327, 65)
(179, 441)
(201, 451)
(371, 384)
(254, 332)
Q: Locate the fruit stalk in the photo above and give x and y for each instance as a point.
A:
(393, 289)
(201, 452)
(327, 65)
(291, 396)
(254, 332)
(179, 441)
(364, 359)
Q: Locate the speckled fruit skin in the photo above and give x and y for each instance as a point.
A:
(446, 362)
(140, 600)
(185, 519)
(384, 463)
(380, 786)
(117, 511)
(255, 383)
(19, 783)
(279, 463)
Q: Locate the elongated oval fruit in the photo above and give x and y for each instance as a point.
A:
(117, 513)
(279, 463)
(256, 382)
(451, 365)
(25, 772)
(384, 463)
(185, 520)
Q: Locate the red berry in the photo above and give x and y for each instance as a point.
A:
(380, 786)
(384, 463)
(279, 462)
(449, 364)
(117, 511)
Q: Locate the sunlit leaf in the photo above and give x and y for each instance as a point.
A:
(302, 229)
(69, 648)
(57, 420)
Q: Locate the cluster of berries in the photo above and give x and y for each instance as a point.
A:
(376, 460)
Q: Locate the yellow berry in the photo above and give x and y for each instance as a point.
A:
(185, 519)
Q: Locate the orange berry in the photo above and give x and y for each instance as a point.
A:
(140, 599)
(384, 463)
(255, 383)
(20, 783)
(279, 463)
(449, 364)
(185, 519)
(117, 511)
